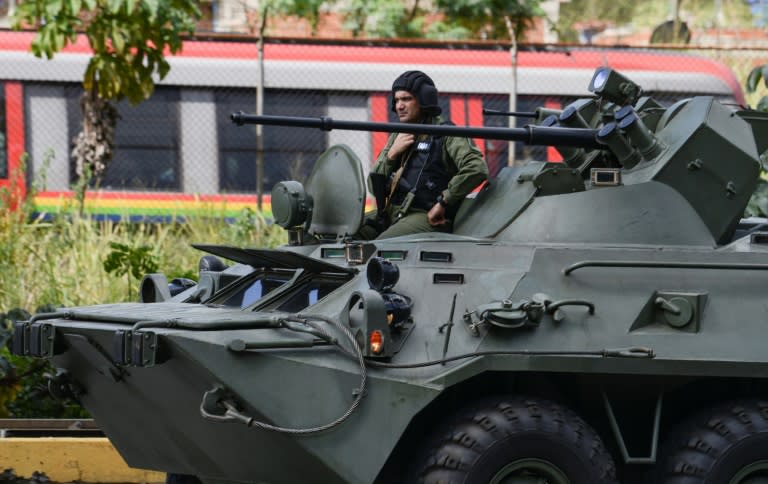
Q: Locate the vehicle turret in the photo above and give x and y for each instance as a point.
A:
(620, 149)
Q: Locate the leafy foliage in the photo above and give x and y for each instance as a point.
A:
(129, 38)
(759, 73)
(62, 262)
(758, 203)
(486, 19)
(450, 20)
(578, 11)
(125, 260)
(24, 381)
(308, 9)
(383, 18)
(59, 262)
(257, 18)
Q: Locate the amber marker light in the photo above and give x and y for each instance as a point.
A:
(376, 342)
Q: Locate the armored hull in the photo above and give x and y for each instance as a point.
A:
(578, 313)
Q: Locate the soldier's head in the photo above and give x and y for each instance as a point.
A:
(414, 96)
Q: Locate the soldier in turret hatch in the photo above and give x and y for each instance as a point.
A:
(420, 180)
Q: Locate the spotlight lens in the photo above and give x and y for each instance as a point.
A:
(601, 77)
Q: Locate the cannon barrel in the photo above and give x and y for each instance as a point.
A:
(531, 134)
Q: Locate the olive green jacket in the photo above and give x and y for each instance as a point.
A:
(461, 158)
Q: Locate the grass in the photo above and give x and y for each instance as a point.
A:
(61, 262)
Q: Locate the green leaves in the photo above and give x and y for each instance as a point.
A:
(134, 260)
(23, 383)
(130, 261)
(754, 77)
(753, 81)
(150, 8)
(53, 7)
(383, 18)
(119, 32)
(486, 18)
(113, 6)
(460, 18)
(758, 203)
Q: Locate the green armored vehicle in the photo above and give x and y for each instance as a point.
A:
(599, 320)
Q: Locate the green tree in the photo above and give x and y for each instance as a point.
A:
(578, 12)
(129, 40)
(487, 19)
(383, 18)
(257, 18)
(455, 19)
(307, 9)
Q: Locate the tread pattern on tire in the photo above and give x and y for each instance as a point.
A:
(491, 422)
(701, 442)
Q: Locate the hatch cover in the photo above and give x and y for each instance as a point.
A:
(273, 258)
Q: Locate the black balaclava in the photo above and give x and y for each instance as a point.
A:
(421, 86)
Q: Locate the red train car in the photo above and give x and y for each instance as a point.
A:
(178, 153)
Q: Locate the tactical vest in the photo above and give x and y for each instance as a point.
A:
(425, 174)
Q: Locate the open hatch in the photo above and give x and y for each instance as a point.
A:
(281, 280)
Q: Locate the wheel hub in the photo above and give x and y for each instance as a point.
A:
(755, 473)
(530, 471)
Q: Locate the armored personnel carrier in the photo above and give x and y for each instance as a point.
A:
(599, 320)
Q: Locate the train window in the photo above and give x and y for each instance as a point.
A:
(3, 142)
(146, 142)
(288, 153)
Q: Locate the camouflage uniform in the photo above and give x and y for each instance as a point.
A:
(464, 164)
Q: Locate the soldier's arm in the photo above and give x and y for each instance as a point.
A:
(471, 169)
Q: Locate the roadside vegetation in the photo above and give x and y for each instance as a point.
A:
(757, 84)
(64, 260)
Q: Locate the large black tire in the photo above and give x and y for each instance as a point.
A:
(515, 437)
(727, 444)
(181, 479)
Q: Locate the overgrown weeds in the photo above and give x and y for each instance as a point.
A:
(63, 260)
(60, 261)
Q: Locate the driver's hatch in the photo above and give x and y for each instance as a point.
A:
(282, 280)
